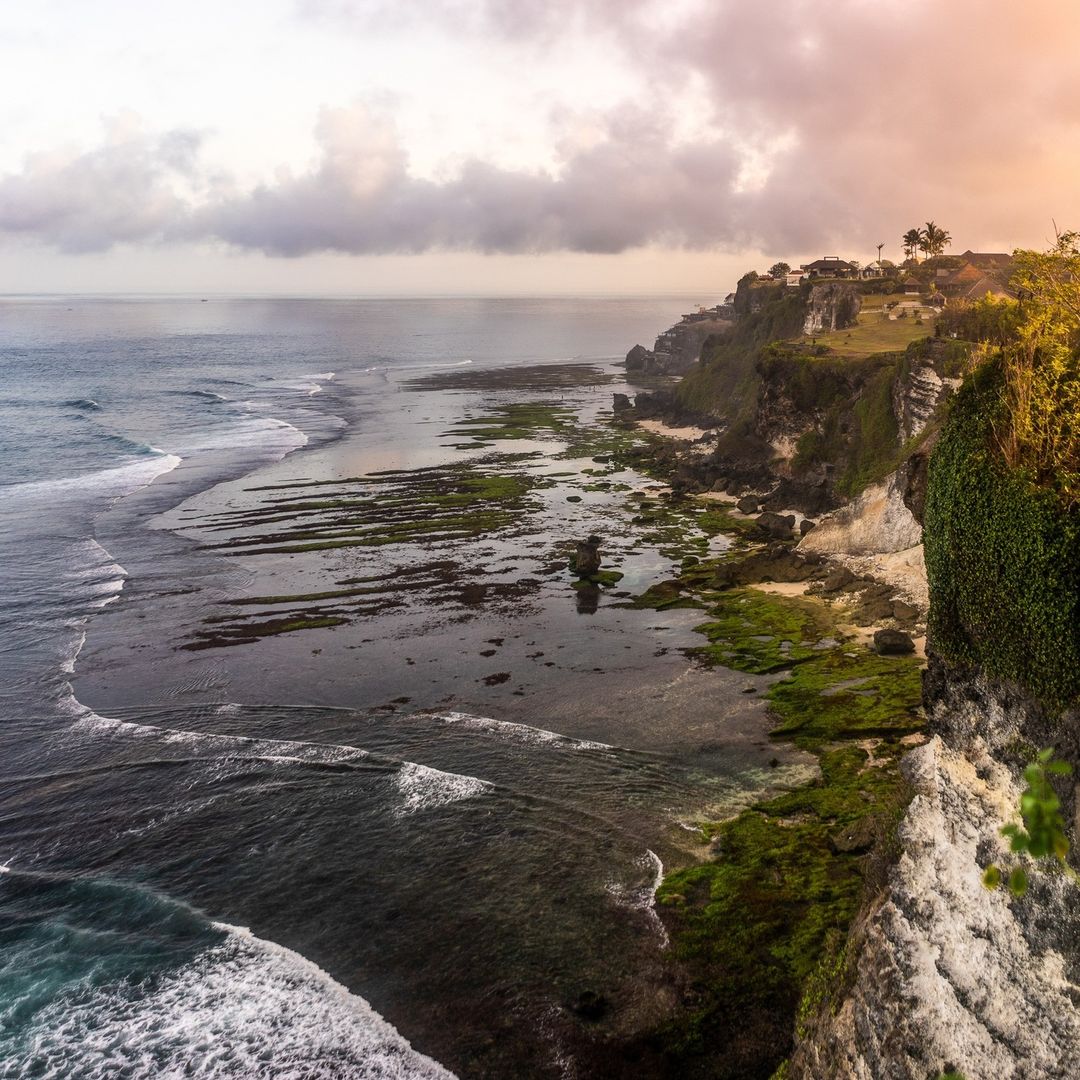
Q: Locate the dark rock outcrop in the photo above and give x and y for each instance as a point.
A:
(777, 526)
(587, 557)
(893, 643)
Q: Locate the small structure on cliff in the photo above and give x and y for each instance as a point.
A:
(830, 266)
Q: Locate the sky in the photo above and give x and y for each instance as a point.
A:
(490, 147)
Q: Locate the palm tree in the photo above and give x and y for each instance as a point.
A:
(911, 241)
(934, 240)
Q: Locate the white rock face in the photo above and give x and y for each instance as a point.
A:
(950, 974)
(916, 398)
(877, 521)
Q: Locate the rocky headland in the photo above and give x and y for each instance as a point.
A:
(850, 929)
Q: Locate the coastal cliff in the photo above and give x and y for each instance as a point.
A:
(947, 975)
(943, 481)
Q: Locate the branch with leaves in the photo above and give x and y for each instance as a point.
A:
(1042, 834)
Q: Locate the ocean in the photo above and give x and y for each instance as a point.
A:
(315, 764)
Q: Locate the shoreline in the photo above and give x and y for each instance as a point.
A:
(695, 702)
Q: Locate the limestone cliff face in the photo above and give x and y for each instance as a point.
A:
(876, 522)
(918, 395)
(834, 306)
(945, 974)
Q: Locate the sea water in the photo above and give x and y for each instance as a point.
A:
(332, 853)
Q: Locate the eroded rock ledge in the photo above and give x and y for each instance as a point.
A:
(943, 974)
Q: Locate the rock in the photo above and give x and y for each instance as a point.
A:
(893, 643)
(573, 498)
(873, 609)
(837, 580)
(587, 557)
(876, 522)
(719, 486)
(621, 403)
(637, 358)
(854, 839)
(833, 306)
(904, 612)
(776, 525)
(806, 525)
(803, 495)
(915, 477)
(748, 505)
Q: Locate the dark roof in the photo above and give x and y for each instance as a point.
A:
(829, 262)
(986, 286)
(988, 260)
(968, 272)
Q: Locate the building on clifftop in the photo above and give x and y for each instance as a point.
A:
(830, 266)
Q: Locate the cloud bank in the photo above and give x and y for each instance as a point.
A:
(829, 125)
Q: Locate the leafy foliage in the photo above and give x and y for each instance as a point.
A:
(933, 239)
(1039, 430)
(1042, 832)
(1002, 555)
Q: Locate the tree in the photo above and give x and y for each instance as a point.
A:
(912, 240)
(779, 270)
(933, 240)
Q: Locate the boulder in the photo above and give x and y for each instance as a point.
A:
(778, 526)
(587, 557)
(637, 358)
(748, 504)
(904, 612)
(893, 643)
(806, 525)
(621, 403)
(840, 578)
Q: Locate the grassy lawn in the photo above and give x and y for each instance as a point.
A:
(875, 334)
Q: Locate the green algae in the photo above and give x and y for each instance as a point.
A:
(761, 926)
(751, 631)
(425, 506)
(517, 420)
(818, 702)
(607, 578)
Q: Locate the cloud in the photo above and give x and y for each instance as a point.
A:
(826, 127)
(625, 190)
(123, 191)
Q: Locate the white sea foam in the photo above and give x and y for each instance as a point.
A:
(424, 788)
(421, 787)
(112, 483)
(89, 722)
(643, 897)
(99, 580)
(243, 1008)
(520, 732)
(275, 435)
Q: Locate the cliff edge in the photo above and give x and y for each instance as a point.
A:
(943, 975)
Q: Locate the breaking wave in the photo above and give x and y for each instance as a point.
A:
(113, 980)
